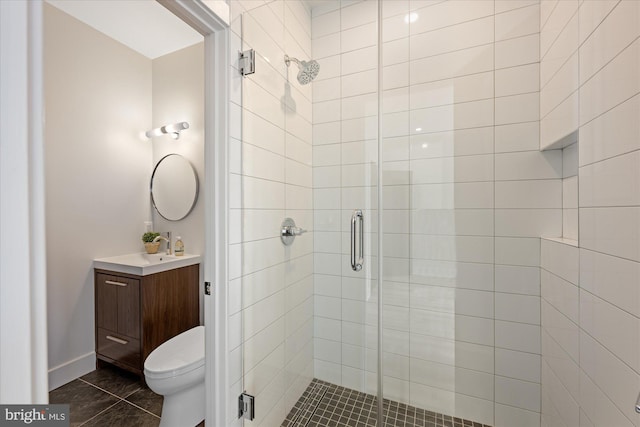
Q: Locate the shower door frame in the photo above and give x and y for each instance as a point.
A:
(380, 211)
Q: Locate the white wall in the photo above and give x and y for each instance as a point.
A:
(467, 196)
(271, 289)
(98, 101)
(101, 97)
(590, 310)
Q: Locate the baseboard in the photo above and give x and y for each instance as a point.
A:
(69, 371)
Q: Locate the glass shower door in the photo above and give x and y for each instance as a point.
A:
(345, 187)
(307, 319)
(438, 232)
(424, 190)
(461, 288)
(302, 312)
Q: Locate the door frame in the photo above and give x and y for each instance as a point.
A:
(211, 19)
(23, 291)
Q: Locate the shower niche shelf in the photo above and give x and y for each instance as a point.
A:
(560, 143)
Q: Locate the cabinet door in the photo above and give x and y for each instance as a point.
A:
(118, 304)
(123, 349)
(106, 303)
(129, 308)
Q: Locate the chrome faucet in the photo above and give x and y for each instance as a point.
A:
(166, 239)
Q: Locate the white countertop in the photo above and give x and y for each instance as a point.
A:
(143, 264)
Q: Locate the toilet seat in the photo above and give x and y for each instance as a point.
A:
(177, 356)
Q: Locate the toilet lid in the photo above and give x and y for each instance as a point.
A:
(180, 354)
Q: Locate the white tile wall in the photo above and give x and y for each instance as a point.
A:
(590, 320)
(517, 51)
(619, 224)
(518, 336)
(447, 196)
(343, 175)
(559, 73)
(597, 406)
(560, 52)
(465, 170)
(558, 406)
(273, 305)
(529, 165)
(448, 39)
(570, 192)
(612, 182)
(620, 76)
(517, 137)
(620, 128)
(609, 39)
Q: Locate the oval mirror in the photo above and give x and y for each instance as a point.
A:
(174, 187)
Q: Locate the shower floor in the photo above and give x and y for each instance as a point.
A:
(324, 404)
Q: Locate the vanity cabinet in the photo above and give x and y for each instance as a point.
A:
(135, 314)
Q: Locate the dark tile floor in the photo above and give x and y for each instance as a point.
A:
(327, 405)
(110, 397)
(113, 397)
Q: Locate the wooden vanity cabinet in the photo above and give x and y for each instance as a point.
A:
(135, 314)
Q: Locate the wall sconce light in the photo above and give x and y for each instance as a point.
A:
(173, 130)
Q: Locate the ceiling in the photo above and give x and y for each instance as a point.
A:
(143, 25)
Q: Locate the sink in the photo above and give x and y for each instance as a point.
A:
(142, 264)
(155, 258)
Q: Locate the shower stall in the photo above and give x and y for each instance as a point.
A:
(430, 150)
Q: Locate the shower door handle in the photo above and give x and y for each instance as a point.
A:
(356, 262)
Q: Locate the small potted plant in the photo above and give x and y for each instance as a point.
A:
(149, 244)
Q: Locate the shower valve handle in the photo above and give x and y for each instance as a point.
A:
(292, 231)
(289, 231)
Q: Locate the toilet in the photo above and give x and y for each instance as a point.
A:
(175, 370)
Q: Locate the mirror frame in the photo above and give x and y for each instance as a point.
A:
(197, 190)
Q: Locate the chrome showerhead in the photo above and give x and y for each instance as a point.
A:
(308, 69)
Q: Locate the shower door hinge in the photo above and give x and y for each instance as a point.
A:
(247, 62)
(207, 288)
(246, 406)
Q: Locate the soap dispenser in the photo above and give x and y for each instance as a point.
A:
(179, 247)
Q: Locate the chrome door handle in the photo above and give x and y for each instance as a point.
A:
(356, 262)
(638, 404)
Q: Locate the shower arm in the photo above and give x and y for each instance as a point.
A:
(288, 59)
